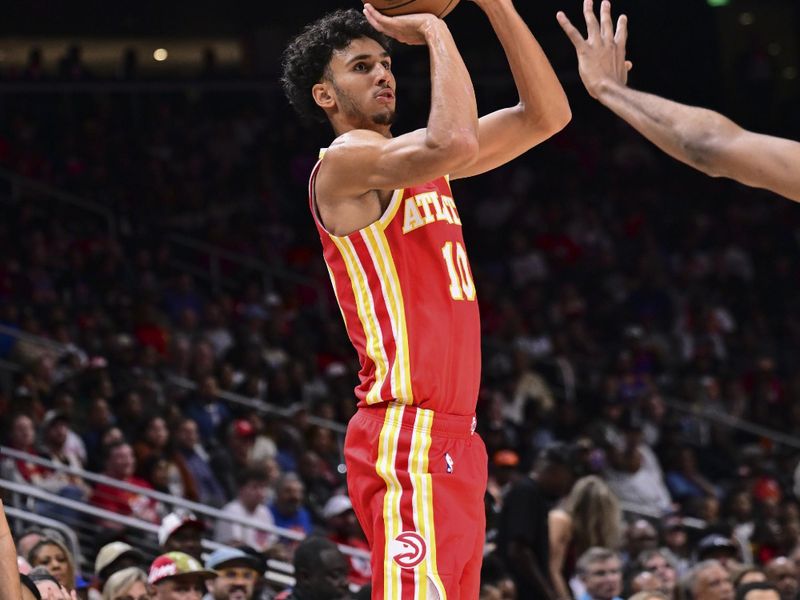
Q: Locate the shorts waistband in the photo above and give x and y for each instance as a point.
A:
(433, 422)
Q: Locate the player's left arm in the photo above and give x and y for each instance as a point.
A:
(543, 109)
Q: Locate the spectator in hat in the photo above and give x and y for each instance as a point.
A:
(523, 531)
(589, 516)
(126, 584)
(709, 580)
(719, 548)
(55, 433)
(320, 571)
(181, 532)
(237, 574)
(343, 529)
(114, 557)
(782, 573)
(503, 472)
(234, 455)
(249, 504)
(120, 464)
(178, 576)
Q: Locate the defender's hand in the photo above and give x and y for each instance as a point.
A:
(601, 56)
(407, 29)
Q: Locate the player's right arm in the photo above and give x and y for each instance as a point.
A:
(701, 138)
(362, 160)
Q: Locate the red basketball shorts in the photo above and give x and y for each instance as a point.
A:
(416, 479)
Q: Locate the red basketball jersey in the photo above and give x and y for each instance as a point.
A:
(406, 293)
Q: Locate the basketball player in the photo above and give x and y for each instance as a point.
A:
(698, 137)
(392, 241)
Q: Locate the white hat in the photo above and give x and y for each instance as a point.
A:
(111, 552)
(336, 505)
(174, 521)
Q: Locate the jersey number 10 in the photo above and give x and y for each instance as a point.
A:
(462, 287)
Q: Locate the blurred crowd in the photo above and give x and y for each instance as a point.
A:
(611, 283)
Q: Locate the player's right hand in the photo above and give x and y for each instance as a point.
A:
(601, 56)
(407, 29)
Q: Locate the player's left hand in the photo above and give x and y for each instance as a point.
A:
(601, 56)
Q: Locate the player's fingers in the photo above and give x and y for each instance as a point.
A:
(375, 18)
(572, 33)
(621, 36)
(628, 65)
(606, 26)
(592, 28)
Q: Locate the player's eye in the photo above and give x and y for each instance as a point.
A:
(361, 67)
(387, 65)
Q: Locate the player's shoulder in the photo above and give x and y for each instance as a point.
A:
(353, 139)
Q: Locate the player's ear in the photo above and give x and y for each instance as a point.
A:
(323, 95)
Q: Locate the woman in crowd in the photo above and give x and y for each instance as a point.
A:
(589, 516)
(127, 583)
(56, 558)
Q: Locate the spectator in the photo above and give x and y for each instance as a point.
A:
(589, 516)
(48, 586)
(154, 443)
(178, 576)
(758, 591)
(197, 458)
(645, 581)
(658, 562)
(22, 438)
(125, 584)
(320, 571)
(782, 573)
(600, 572)
(114, 557)
(748, 575)
(27, 540)
(233, 456)
(120, 464)
(288, 510)
(56, 558)
(343, 529)
(237, 574)
(719, 548)
(55, 429)
(640, 536)
(523, 539)
(676, 542)
(206, 409)
(249, 504)
(181, 532)
(708, 580)
(650, 595)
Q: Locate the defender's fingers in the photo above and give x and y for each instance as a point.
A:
(592, 27)
(572, 33)
(621, 36)
(628, 66)
(606, 26)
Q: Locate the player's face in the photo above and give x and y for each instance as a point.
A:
(362, 83)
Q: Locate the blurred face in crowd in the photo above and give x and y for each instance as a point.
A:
(603, 579)
(56, 434)
(185, 539)
(345, 524)
(329, 581)
(645, 582)
(235, 581)
(742, 506)
(99, 413)
(28, 541)
(187, 436)
(661, 567)
(675, 538)
(121, 463)
(53, 558)
(713, 583)
(252, 494)
(138, 591)
(157, 433)
(290, 497)
(183, 587)
(23, 433)
(782, 573)
(641, 536)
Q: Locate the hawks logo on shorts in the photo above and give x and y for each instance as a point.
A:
(408, 549)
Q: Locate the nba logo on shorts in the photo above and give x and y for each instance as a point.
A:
(408, 549)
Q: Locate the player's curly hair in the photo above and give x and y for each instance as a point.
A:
(306, 58)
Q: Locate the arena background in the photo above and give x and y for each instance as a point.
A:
(153, 181)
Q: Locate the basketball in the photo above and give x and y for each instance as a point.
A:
(392, 8)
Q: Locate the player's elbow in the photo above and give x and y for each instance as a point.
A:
(455, 149)
(546, 124)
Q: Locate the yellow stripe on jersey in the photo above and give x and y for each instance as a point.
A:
(392, 519)
(366, 314)
(422, 484)
(381, 255)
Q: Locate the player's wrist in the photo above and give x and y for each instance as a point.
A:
(604, 88)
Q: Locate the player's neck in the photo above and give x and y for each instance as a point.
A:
(340, 128)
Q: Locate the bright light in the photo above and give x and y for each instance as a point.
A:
(718, 2)
(746, 18)
(160, 54)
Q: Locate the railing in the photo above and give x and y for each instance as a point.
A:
(166, 499)
(17, 515)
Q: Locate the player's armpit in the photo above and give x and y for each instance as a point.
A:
(761, 161)
(362, 160)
